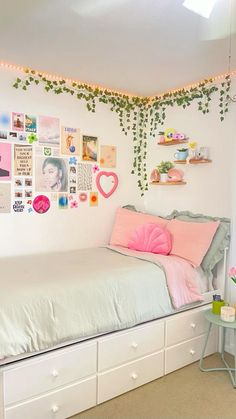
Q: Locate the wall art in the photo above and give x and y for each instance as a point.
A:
(70, 140)
(22, 160)
(5, 197)
(107, 183)
(90, 148)
(49, 131)
(108, 156)
(5, 161)
(51, 174)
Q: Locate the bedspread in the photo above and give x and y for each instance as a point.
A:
(50, 299)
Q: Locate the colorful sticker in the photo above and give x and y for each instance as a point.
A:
(47, 151)
(73, 204)
(41, 204)
(32, 138)
(18, 206)
(83, 196)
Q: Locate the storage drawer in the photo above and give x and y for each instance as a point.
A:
(125, 347)
(185, 326)
(60, 404)
(185, 353)
(122, 379)
(47, 372)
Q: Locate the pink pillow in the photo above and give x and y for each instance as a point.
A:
(151, 238)
(125, 223)
(191, 241)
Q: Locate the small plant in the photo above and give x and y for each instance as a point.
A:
(182, 149)
(165, 166)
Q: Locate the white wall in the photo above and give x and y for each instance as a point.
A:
(66, 229)
(209, 186)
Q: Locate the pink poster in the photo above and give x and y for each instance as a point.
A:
(5, 161)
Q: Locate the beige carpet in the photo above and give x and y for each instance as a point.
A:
(184, 394)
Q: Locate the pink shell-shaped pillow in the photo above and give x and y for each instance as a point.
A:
(151, 238)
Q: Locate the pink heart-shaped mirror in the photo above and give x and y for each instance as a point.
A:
(107, 183)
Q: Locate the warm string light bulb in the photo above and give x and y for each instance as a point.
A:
(56, 77)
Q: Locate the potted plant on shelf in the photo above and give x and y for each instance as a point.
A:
(163, 169)
(182, 153)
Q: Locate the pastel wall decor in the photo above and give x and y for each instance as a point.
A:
(107, 183)
(41, 204)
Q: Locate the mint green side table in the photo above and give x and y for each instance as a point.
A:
(215, 319)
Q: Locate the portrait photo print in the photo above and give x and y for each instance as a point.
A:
(51, 174)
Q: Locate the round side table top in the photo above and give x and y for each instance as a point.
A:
(215, 319)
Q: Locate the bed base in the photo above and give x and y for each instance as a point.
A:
(67, 381)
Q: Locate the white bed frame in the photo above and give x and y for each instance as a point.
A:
(66, 381)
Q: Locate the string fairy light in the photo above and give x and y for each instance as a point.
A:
(212, 79)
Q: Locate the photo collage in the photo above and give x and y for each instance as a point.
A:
(45, 164)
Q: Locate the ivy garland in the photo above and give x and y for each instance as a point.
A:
(138, 116)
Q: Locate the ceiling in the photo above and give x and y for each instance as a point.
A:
(140, 46)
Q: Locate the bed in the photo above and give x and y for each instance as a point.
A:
(69, 342)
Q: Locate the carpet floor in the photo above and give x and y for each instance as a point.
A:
(184, 394)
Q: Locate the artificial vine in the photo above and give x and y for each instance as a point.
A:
(139, 116)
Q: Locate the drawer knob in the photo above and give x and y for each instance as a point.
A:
(54, 408)
(55, 373)
(192, 352)
(193, 325)
(134, 376)
(134, 345)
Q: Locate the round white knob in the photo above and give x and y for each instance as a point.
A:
(134, 345)
(55, 373)
(193, 325)
(134, 376)
(54, 409)
(192, 352)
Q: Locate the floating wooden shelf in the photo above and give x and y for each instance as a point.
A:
(193, 161)
(173, 142)
(168, 183)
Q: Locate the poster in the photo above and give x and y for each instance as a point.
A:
(5, 161)
(17, 121)
(51, 174)
(5, 121)
(3, 135)
(108, 156)
(70, 139)
(90, 148)
(49, 131)
(22, 160)
(5, 197)
(30, 123)
(84, 177)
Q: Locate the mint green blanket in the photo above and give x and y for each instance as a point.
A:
(46, 300)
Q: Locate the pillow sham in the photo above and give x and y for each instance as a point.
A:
(125, 223)
(191, 241)
(151, 238)
(220, 241)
